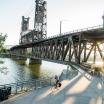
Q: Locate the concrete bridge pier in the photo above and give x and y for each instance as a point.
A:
(34, 61)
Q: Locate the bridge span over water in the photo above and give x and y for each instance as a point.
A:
(79, 47)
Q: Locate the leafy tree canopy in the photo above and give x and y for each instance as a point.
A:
(2, 40)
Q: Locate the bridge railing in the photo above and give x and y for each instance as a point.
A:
(86, 29)
(78, 30)
(20, 87)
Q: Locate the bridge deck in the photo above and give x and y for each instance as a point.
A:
(87, 34)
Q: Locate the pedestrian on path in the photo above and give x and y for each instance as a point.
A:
(57, 81)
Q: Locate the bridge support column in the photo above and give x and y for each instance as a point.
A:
(34, 61)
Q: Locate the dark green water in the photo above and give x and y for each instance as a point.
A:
(12, 71)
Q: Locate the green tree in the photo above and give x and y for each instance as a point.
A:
(2, 41)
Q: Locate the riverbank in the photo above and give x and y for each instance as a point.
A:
(79, 90)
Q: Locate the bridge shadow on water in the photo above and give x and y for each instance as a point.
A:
(35, 70)
(77, 91)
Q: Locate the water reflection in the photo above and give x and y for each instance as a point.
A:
(12, 71)
(35, 70)
(17, 71)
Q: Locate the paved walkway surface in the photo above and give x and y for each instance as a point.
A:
(82, 89)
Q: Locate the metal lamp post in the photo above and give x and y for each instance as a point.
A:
(60, 26)
(103, 20)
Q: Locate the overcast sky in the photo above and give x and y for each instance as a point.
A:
(75, 14)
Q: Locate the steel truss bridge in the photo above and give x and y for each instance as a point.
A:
(79, 47)
(76, 47)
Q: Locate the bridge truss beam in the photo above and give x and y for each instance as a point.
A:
(79, 48)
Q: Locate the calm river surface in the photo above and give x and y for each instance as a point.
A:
(12, 71)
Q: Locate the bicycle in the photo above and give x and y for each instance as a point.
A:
(55, 87)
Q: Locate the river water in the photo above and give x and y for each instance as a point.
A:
(12, 71)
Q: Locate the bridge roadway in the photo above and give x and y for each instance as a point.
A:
(91, 33)
(78, 47)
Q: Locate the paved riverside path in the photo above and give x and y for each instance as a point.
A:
(82, 89)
